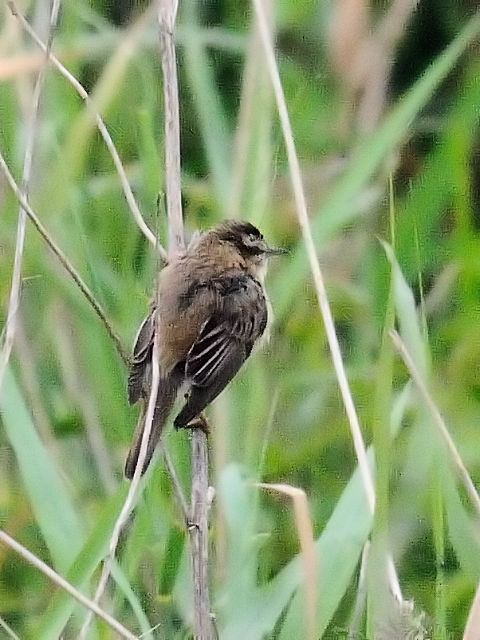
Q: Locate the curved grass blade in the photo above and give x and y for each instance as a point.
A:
(341, 207)
(54, 512)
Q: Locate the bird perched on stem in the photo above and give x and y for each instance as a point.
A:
(212, 309)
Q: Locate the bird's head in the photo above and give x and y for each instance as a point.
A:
(247, 240)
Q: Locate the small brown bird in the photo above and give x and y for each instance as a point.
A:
(212, 309)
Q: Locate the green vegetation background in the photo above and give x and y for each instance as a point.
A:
(66, 425)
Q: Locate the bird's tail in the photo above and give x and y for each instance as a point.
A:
(167, 393)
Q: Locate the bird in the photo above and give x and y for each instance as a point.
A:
(210, 311)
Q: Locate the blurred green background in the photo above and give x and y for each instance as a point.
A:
(373, 90)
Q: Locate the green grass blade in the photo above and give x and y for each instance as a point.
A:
(439, 539)
(62, 604)
(340, 545)
(53, 507)
(434, 188)
(379, 549)
(341, 207)
(237, 499)
(125, 587)
(462, 530)
(338, 550)
(213, 123)
(407, 315)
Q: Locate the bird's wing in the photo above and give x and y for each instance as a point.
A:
(142, 352)
(224, 342)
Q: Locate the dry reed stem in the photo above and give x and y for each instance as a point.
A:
(129, 503)
(8, 630)
(65, 262)
(378, 60)
(304, 222)
(167, 13)
(393, 24)
(65, 585)
(15, 290)
(130, 500)
(307, 546)
(112, 73)
(177, 487)
(130, 198)
(472, 629)
(132, 492)
(198, 529)
(363, 54)
(128, 194)
(438, 421)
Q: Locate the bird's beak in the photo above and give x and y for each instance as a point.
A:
(275, 251)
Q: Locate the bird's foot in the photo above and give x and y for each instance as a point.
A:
(199, 422)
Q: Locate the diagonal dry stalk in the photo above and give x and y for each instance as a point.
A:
(132, 492)
(304, 222)
(57, 579)
(439, 422)
(378, 61)
(473, 623)
(130, 198)
(301, 209)
(362, 51)
(65, 262)
(8, 630)
(15, 290)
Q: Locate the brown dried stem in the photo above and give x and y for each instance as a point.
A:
(66, 586)
(15, 289)
(65, 262)
(198, 529)
(439, 422)
(132, 492)
(304, 222)
(167, 13)
(177, 487)
(8, 630)
(130, 198)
